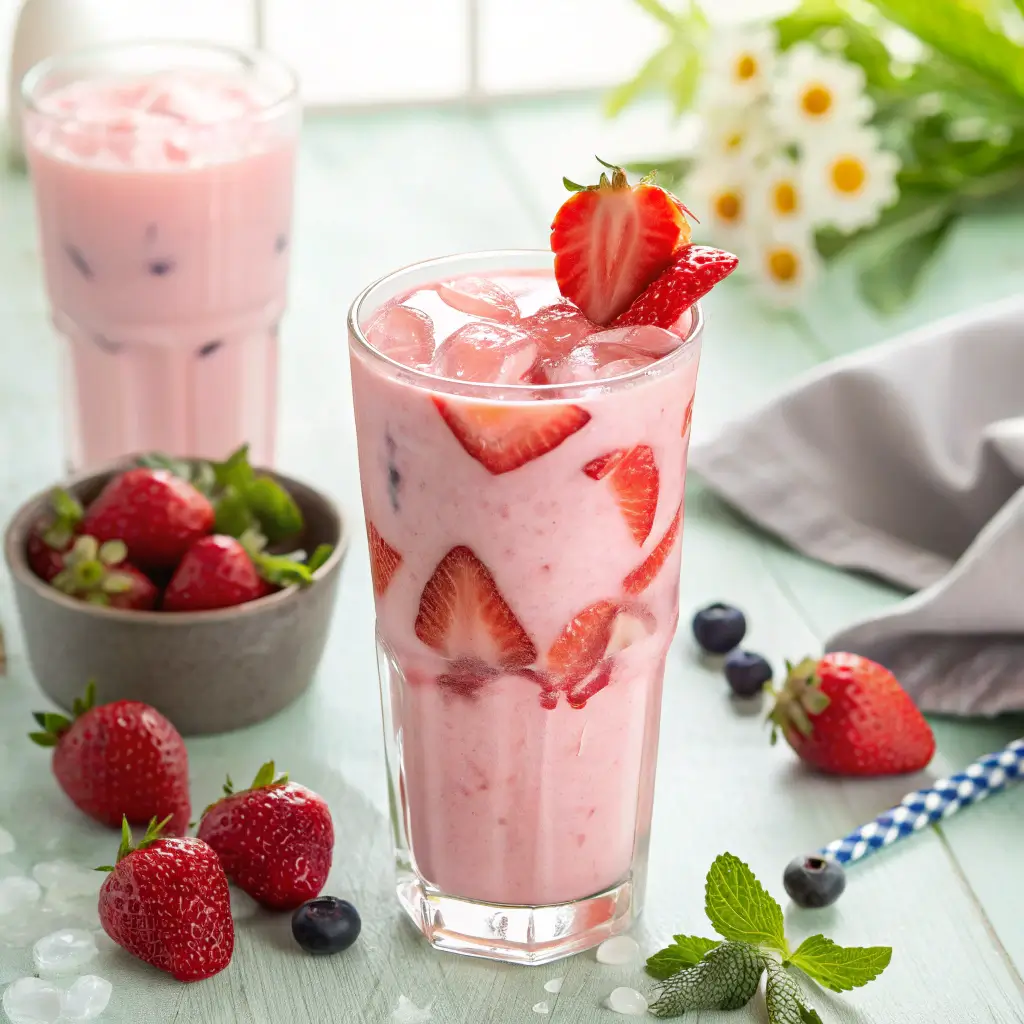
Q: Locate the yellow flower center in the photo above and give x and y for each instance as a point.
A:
(734, 141)
(728, 206)
(783, 265)
(816, 100)
(784, 198)
(746, 67)
(848, 175)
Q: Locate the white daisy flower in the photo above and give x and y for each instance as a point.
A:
(739, 64)
(778, 194)
(739, 134)
(785, 263)
(850, 179)
(813, 91)
(717, 194)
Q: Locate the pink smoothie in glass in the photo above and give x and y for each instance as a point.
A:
(165, 206)
(525, 549)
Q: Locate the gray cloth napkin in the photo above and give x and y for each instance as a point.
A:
(906, 461)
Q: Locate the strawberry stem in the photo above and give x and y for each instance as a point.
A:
(54, 725)
(153, 833)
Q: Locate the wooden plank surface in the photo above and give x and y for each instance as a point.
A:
(375, 193)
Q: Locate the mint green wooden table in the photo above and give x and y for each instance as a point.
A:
(375, 193)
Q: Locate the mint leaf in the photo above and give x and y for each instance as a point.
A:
(782, 997)
(282, 571)
(235, 470)
(319, 556)
(840, 968)
(725, 979)
(233, 514)
(738, 907)
(685, 951)
(159, 460)
(278, 514)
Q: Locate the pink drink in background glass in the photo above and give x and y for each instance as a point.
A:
(163, 178)
(522, 474)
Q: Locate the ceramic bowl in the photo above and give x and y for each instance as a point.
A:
(207, 672)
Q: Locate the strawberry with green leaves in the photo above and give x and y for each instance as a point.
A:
(847, 715)
(99, 574)
(696, 973)
(166, 901)
(52, 536)
(275, 839)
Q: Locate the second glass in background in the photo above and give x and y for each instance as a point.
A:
(163, 176)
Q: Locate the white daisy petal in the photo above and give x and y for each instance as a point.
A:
(785, 263)
(813, 92)
(777, 193)
(718, 196)
(739, 65)
(739, 135)
(849, 179)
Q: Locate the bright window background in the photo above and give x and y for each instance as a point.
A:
(369, 52)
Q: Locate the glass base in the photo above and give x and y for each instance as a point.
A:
(512, 934)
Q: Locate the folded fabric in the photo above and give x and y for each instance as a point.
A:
(906, 460)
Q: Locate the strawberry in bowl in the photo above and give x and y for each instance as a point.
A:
(203, 589)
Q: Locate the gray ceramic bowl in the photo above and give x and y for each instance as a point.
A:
(206, 671)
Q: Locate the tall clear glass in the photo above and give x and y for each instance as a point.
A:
(521, 791)
(163, 176)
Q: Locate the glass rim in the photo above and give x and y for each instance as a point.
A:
(250, 59)
(508, 392)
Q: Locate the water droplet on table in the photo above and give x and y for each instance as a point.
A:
(554, 985)
(407, 1012)
(541, 1007)
(86, 999)
(18, 892)
(618, 951)
(628, 1002)
(64, 952)
(7, 843)
(32, 1001)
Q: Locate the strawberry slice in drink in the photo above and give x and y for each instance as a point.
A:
(384, 560)
(479, 297)
(688, 417)
(403, 334)
(611, 240)
(693, 273)
(463, 616)
(643, 575)
(633, 476)
(504, 437)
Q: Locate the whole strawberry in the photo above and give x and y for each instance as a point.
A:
(157, 515)
(51, 538)
(275, 840)
(98, 574)
(847, 715)
(215, 572)
(166, 901)
(120, 760)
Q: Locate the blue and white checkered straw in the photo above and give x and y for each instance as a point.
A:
(989, 774)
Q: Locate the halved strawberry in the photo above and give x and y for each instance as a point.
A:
(634, 481)
(504, 437)
(611, 240)
(643, 575)
(694, 272)
(384, 560)
(463, 615)
(687, 417)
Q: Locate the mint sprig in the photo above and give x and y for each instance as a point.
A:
(707, 974)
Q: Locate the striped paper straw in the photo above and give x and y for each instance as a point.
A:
(987, 775)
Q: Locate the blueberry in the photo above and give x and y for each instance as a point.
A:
(746, 673)
(813, 881)
(719, 628)
(326, 925)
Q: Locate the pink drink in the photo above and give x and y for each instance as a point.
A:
(163, 179)
(524, 515)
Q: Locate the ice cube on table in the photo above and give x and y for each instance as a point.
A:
(65, 951)
(70, 880)
(32, 1001)
(486, 353)
(7, 843)
(628, 1002)
(403, 334)
(26, 927)
(17, 893)
(479, 297)
(86, 999)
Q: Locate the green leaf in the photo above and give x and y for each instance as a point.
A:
(158, 460)
(725, 979)
(958, 31)
(275, 509)
(43, 739)
(266, 776)
(658, 11)
(739, 908)
(654, 73)
(837, 967)
(235, 470)
(684, 82)
(889, 280)
(65, 507)
(282, 571)
(685, 951)
(319, 557)
(233, 515)
(783, 999)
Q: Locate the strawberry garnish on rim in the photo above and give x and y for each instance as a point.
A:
(612, 239)
(504, 437)
(633, 476)
(463, 616)
(695, 270)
